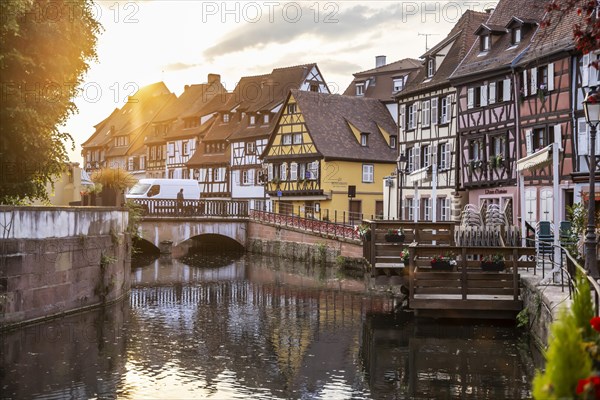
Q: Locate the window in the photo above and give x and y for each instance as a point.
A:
(121, 141)
(297, 138)
(186, 148)
(410, 166)
(540, 138)
(266, 119)
(225, 118)
(445, 110)
(412, 116)
(475, 150)
(410, 208)
(430, 67)
(393, 141)
(444, 156)
(367, 173)
(314, 87)
(515, 36)
(484, 42)
(364, 139)
(398, 84)
(143, 162)
(250, 147)
(291, 108)
(294, 171)
(542, 78)
(434, 111)
(360, 89)
(130, 164)
(498, 146)
(252, 120)
(283, 171)
(219, 174)
(425, 112)
(426, 156)
(444, 203)
(286, 139)
(246, 178)
(313, 170)
(426, 208)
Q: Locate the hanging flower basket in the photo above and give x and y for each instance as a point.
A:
(442, 266)
(492, 266)
(394, 238)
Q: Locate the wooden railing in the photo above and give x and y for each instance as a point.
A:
(327, 228)
(194, 208)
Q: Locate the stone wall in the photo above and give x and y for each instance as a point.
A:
(58, 260)
(297, 245)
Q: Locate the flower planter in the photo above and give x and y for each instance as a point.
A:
(394, 238)
(492, 266)
(442, 266)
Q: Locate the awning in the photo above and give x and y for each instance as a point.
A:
(538, 159)
(420, 175)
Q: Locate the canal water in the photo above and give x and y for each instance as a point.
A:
(256, 327)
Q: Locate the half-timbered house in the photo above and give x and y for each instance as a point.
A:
(179, 127)
(121, 133)
(487, 91)
(547, 151)
(384, 81)
(427, 122)
(228, 162)
(330, 152)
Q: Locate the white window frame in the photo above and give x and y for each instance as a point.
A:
(266, 119)
(250, 148)
(426, 150)
(368, 173)
(294, 171)
(286, 139)
(444, 109)
(444, 208)
(444, 156)
(410, 207)
(283, 171)
(364, 139)
(297, 138)
(398, 84)
(360, 89)
(426, 112)
(313, 170)
(252, 120)
(410, 165)
(426, 208)
(434, 111)
(430, 67)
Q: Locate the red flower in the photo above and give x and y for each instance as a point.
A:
(588, 384)
(595, 322)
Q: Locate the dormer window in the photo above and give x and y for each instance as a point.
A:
(364, 139)
(515, 35)
(266, 119)
(360, 89)
(226, 118)
(484, 42)
(291, 108)
(252, 120)
(393, 142)
(430, 67)
(398, 84)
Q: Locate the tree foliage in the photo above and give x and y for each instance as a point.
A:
(45, 48)
(586, 31)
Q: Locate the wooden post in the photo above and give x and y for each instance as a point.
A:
(515, 275)
(411, 272)
(373, 246)
(463, 275)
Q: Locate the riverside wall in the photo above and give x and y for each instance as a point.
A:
(57, 260)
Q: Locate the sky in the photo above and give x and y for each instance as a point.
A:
(181, 42)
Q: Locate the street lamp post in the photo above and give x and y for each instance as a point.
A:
(401, 164)
(591, 106)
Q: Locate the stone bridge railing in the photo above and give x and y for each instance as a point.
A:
(194, 208)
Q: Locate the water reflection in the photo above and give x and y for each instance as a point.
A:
(255, 327)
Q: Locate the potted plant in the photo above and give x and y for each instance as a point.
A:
(493, 262)
(404, 255)
(444, 262)
(364, 231)
(394, 236)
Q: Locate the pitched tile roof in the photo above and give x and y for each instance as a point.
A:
(201, 157)
(381, 84)
(556, 38)
(502, 53)
(462, 38)
(327, 118)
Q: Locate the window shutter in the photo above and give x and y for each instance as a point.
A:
(470, 97)
(293, 171)
(492, 98)
(284, 172)
(529, 141)
(533, 80)
(582, 137)
(270, 171)
(484, 95)
(417, 152)
(551, 76)
(506, 90)
(585, 70)
(402, 117)
(525, 87)
(434, 111)
(558, 134)
(448, 108)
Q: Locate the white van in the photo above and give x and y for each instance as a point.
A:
(164, 189)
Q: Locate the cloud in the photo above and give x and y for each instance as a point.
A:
(343, 25)
(178, 66)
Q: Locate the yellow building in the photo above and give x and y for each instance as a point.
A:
(329, 154)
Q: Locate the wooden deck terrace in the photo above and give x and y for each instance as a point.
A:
(466, 291)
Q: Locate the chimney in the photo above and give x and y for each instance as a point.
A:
(489, 10)
(214, 78)
(379, 61)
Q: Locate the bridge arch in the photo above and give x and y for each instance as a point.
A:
(177, 231)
